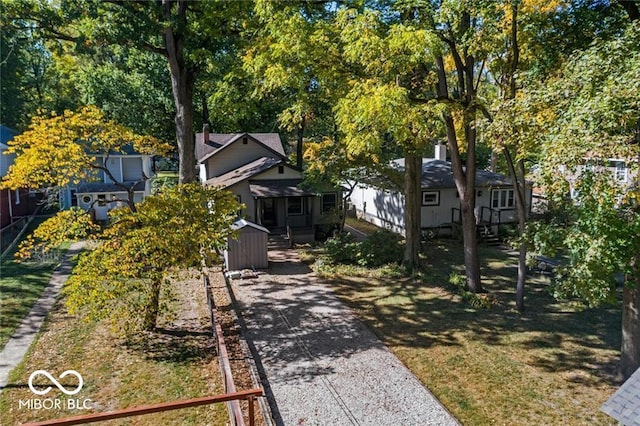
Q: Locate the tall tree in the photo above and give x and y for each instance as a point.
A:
(457, 52)
(595, 105)
(296, 58)
(187, 34)
(378, 110)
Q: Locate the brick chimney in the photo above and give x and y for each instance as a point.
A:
(205, 133)
(440, 152)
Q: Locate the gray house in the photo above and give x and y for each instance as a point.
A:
(440, 203)
(254, 167)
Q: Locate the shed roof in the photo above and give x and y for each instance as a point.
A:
(624, 405)
(243, 223)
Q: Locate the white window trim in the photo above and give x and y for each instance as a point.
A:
(507, 205)
(425, 202)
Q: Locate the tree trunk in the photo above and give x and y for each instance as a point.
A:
(182, 82)
(519, 185)
(299, 143)
(413, 202)
(464, 178)
(470, 241)
(630, 350)
(153, 307)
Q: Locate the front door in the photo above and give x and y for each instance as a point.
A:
(269, 216)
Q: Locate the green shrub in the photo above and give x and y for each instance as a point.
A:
(342, 249)
(380, 248)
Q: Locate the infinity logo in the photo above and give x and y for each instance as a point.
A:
(55, 382)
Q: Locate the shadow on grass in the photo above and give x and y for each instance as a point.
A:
(426, 311)
(173, 345)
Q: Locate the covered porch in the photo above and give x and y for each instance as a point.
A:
(280, 205)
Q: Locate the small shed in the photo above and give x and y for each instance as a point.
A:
(249, 250)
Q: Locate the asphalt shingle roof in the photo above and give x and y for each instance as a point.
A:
(218, 141)
(624, 405)
(242, 173)
(278, 188)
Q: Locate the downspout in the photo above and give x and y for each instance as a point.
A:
(10, 207)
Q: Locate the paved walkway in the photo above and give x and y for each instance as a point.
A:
(322, 365)
(19, 343)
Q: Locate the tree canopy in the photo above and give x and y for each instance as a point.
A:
(61, 150)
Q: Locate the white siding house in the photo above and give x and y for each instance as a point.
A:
(106, 191)
(440, 203)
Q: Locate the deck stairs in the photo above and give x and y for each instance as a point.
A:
(488, 237)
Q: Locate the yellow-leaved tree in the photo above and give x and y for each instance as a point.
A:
(121, 279)
(66, 149)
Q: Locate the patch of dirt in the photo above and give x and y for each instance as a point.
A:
(238, 354)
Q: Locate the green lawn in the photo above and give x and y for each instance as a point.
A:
(554, 364)
(21, 284)
(176, 362)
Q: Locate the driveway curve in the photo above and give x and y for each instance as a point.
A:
(320, 364)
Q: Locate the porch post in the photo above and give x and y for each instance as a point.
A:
(258, 210)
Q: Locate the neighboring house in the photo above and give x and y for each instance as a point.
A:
(101, 193)
(620, 170)
(254, 167)
(13, 203)
(440, 211)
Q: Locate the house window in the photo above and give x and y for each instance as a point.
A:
(245, 140)
(620, 170)
(87, 199)
(294, 205)
(281, 170)
(430, 198)
(329, 202)
(102, 200)
(502, 199)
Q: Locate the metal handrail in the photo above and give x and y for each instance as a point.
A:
(235, 411)
(156, 408)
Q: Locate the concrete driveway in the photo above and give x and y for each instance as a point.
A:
(322, 366)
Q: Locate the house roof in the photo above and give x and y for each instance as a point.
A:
(278, 188)
(100, 187)
(245, 172)
(624, 405)
(243, 223)
(438, 174)
(6, 134)
(220, 141)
